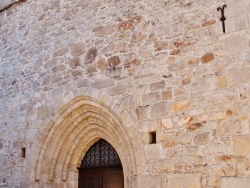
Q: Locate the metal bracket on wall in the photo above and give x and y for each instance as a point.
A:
(223, 18)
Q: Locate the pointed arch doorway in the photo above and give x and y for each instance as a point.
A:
(101, 167)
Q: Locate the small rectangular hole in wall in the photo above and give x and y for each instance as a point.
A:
(152, 137)
(23, 152)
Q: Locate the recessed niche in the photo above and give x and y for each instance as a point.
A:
(152, 137)
(23, 153)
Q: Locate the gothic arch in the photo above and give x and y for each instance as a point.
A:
(68, 136)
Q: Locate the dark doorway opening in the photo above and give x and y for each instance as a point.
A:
(101, 167)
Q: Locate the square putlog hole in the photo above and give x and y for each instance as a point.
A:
(152, 137)
(23, 153)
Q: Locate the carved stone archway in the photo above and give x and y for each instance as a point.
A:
(68, 136)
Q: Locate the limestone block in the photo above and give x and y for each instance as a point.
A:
(159, 109)
(239, 76)
(166, 123)
(77, 49)
(149, 181)
(102, 64)
(241, 22)
(184, 181)
(101, 31)
(202, 139)
(128, 101)
(31, 133)
(241, 145)
(91, 55)
(167, 94)
(128, 24)
(143, 112)
(82, 83)
(113, 72)
(178, 65)
(207, 57)
(114, 61)
(153, 152)
(118, 89)
(42, 112)
(151, 97)
(234, 182)
(58, 91)
(103, 83)
(236, 44)
(180, 105)
(61, 52)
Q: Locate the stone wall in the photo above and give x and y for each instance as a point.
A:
(162, 66)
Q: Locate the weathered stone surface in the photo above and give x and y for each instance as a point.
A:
(143, 112)
(234, 182)
(114, 61)
(153, 152)
(202, 139)
(157, 85)
(101, 31)
(207, 57)
(113, 72)
(82, 83)
(181, 105)
(42, 112)
(239, 76)
(167, 94)
(130, 23)
(150, 98)
(77, 49)
(159, 109)
(102, 64)
(74, 63)
(103, 83)
(91, 55)
(241, 144)
(184, 181)
(71, 73)
(148, 181)
(115, 90)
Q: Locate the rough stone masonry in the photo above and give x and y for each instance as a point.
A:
(78, 70)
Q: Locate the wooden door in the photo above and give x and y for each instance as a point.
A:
(90, 180)
(101, 167)
(103, 178)
(113, 179)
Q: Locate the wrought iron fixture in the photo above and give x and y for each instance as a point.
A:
(223, 18)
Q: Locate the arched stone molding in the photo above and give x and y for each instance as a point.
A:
(67, 137)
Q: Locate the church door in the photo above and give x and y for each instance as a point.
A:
(101, 167)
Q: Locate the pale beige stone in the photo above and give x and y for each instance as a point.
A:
(241, 144)
(234, 182)
(184, 181)
(239, 76)
(77, 49)
(153, 152)
(150, 98)
(166, 123)
(160, 109)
